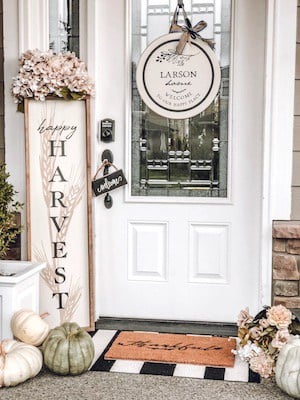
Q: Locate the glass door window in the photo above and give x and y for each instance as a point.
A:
(187, 158)
(64, 26)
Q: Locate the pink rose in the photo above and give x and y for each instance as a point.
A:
(264, 323)
(255, 332)
(244, 318)
(279, 316)
(281, 338)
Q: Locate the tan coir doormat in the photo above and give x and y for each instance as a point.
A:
(173, 348)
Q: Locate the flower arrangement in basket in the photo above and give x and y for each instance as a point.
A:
(43, 73)
(263, 336)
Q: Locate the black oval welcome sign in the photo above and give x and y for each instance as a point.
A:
(175, 85)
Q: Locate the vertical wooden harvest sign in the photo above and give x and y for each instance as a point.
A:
(58, 207)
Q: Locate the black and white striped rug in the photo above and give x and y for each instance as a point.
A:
(103, 339)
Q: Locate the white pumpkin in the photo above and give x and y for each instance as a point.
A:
(288, 368)
(18, 362)
(29, 327)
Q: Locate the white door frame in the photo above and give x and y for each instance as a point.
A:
(20, 34)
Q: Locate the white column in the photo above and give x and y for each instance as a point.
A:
(33, 25)
(25, 26)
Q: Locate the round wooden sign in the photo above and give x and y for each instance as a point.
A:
(178, 86)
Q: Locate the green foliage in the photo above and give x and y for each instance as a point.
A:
(8, 210)
(68, 95)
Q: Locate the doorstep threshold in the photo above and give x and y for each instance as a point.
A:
(165, 326)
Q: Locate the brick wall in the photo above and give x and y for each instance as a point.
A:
(286, 263)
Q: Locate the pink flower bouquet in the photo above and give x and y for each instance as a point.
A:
(43, 73)
(261, 337)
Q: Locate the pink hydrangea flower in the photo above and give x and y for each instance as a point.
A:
(43, 73)
(263, 364)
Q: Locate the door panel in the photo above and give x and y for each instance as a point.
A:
(180, 257)
(147, 251)
(208, 262)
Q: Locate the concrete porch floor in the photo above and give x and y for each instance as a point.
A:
(116, 386)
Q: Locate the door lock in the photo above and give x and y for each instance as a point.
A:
(107, 130)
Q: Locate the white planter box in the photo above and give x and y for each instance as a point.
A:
(19, 288)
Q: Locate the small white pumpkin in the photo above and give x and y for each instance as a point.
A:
(288, 368)
(29, 327)
(18, 362)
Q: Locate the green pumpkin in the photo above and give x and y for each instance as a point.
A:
(68, 350)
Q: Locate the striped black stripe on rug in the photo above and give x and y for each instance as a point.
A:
(103, 339)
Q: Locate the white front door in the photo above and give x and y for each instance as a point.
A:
(181, 241)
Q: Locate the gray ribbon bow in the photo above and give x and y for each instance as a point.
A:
(188, 31)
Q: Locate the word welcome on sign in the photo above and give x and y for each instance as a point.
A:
(109, 182)
(58, 207)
